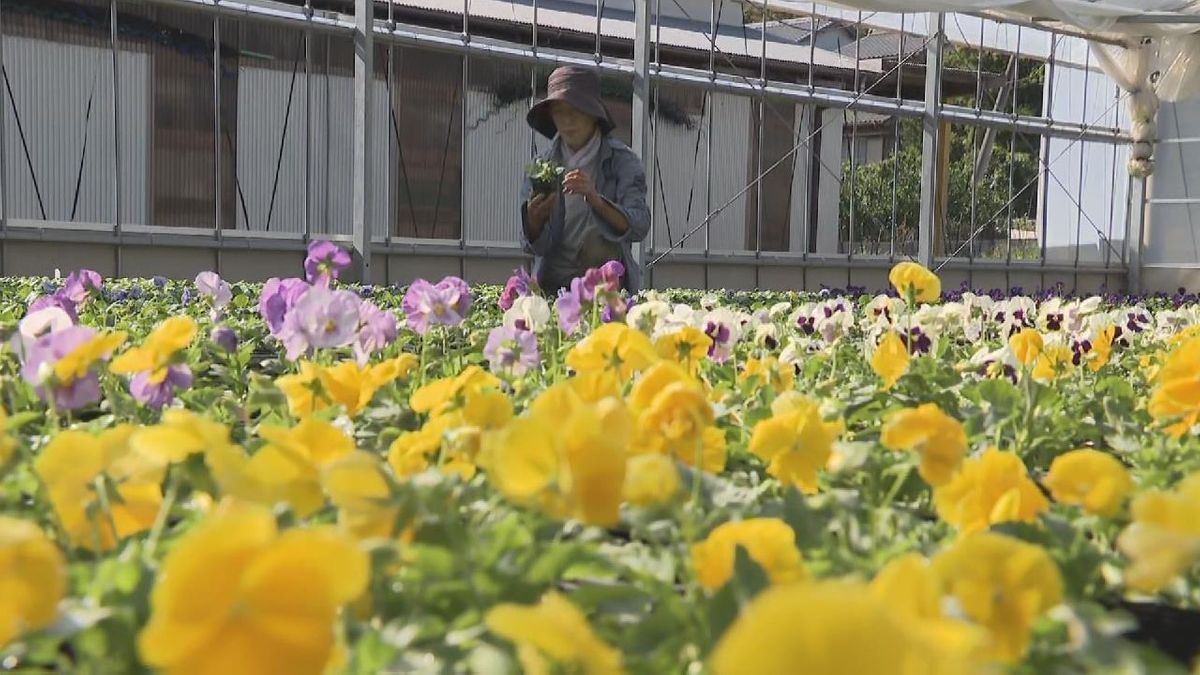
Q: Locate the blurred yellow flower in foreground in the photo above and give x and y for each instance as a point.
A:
(1163, 539)
(158, 350)
(830, 628)
(795, 441)
(237, 596)
(992, 488)
(358, 487)
(553, 635)
(768, 371)
(911, 589)
(1054, 360)
(769, 542)
(74, 465)
(673, 412)
(910, 277)
(890, 360)
(1003, 584)
(78, 361)
(8, 444)
(1095, 480)
(650, 480)
(937, 438)
(33, 578)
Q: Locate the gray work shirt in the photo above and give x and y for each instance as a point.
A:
(561, 254)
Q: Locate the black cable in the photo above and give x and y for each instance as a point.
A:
(24, 144)
(237, 183)
(437, 204)
(87, 119)
(287, 116)
(412, 212)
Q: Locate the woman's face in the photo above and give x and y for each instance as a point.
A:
(574, 126)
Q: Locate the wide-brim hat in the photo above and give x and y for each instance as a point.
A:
(577, 86)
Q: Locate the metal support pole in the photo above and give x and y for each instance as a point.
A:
(3, 164)
(364, 74)
(641, 100)
(931, 140)
(1137, 227)
(112, 14)
(217, 137)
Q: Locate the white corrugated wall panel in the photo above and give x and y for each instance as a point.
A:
(495, 153)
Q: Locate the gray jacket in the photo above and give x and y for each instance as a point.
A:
(622, 181)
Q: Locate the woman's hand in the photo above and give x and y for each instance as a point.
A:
(577, 182)
(540, 208)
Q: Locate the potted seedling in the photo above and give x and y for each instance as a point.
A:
(545, 176)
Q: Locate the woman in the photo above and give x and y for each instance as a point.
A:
(601, 209)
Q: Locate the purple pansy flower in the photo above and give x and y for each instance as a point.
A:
(278, 297)
(519, 285)
(325, 261)
(210, 285)
(320, 319)
(445, 303)
(81, 285)
(225, 338)
(377, 329)
(570, 306)
(159, 394)
(58, 300)
(511, 350)
(40, 358)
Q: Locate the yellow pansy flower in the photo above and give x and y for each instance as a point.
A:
(1026, 345)
(1163, 539)
(289, 465)
(552, 635)
(79, 361)
(33, 578)
(567, 458)
(687, 346)
(910, 277)
(158, 350)
(993, 488)
(768, 371)
(890, 359)
(912, 590)
(236, 596)
(1102, 348)
(673, 411)
(829, 628)
(347, 384)
(1095, 480)
(613, 346)
(358, 487)
(1053, 361)
(769, 542)
(70, 466)
(8, 444)
(1176, 400)
(442, 395)
(1003, 584)
(938, 438)
(795, 442)
(650, 480)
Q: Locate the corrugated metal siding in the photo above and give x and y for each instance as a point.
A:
(55, 123)
(494, 157)
(731, 157)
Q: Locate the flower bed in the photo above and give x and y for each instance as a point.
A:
(306, 476)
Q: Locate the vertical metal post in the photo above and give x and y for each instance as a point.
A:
(308, 124)
(762, 123)
(112, 19)
(364, 74)
(1044, 169)
(931, 140)
(3, 163)
(1137, 226)
(641, 100)
(217, 135)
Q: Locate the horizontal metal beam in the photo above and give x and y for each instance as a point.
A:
(269, 12)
